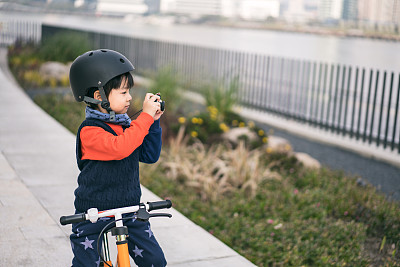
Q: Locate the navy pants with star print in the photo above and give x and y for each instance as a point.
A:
(143, 247)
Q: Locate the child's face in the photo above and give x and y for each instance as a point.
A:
(120, 98)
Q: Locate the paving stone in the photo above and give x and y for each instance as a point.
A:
(6, 171)
(36, 252)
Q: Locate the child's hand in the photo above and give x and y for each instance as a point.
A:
(151, 106)
(158, 115)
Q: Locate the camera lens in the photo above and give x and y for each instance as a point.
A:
(162, 104)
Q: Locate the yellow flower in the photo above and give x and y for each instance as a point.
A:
(213, 112)
(16, 61)
(251, 124)
(194, 134)
(265, 140)
(223, 127)
(200, 121)
(212, 109)
(53, 82)
(260, 132)
(65, 81)
(235, 123)
(242, 124)
(182, 120)
(269, 150)
(195, 120)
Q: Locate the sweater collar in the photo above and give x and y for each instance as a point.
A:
(120, 119)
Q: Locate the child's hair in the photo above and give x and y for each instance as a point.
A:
(115, 82)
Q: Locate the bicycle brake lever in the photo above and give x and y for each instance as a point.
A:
(142, 215)
(160, 215)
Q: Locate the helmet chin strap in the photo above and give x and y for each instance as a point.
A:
(104, 103)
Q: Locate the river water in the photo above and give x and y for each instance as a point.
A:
(362, 52)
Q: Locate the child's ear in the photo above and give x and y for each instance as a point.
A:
(96, 95)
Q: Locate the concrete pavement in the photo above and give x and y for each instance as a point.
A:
(37, 179)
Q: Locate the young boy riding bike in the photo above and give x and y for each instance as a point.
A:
(109, 147)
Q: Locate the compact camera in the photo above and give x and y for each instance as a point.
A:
(162, 103)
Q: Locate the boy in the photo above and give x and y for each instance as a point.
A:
(109, 147)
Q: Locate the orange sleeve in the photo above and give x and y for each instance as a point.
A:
(98, 144)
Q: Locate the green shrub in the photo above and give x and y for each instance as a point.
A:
(223, 98)
(32, 78)
(166, 82)
(64, 47)
(208, 127)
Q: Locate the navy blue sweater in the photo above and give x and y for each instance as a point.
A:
(113, 184)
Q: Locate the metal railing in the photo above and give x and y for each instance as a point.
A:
(11, 30)
(347, 100)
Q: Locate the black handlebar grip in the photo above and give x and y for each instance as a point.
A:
(165, 204)
(80, 217)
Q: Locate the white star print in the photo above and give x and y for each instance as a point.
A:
(87, 243)
(138, 252)
(78, 232)
(98, 262)
(149, 231)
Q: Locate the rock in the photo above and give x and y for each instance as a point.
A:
(278, 144)
(307, 160)
(234, 135)
(360, 182)
(55, 70)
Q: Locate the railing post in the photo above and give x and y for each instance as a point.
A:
(373, 108)
(381, 110)
(388, 110)
(395, 119)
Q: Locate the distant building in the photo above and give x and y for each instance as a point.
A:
(298, 11)
(124, 7)
(230, 8)
(396, 12)
(350, 10)
(376, 11)
(192, 7)
(87, 3)
(245, 9)
(330, 10)
(258, 9)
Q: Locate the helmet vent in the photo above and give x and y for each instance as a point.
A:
(122, 60)
(91, 54)
(104, 51)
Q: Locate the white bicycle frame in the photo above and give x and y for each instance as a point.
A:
(119, 231)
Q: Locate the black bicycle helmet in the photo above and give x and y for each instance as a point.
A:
(95, 69)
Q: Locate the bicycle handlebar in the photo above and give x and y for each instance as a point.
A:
(165, 204)
(93, 214)
(80, 217)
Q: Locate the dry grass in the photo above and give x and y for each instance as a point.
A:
(215, 171)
